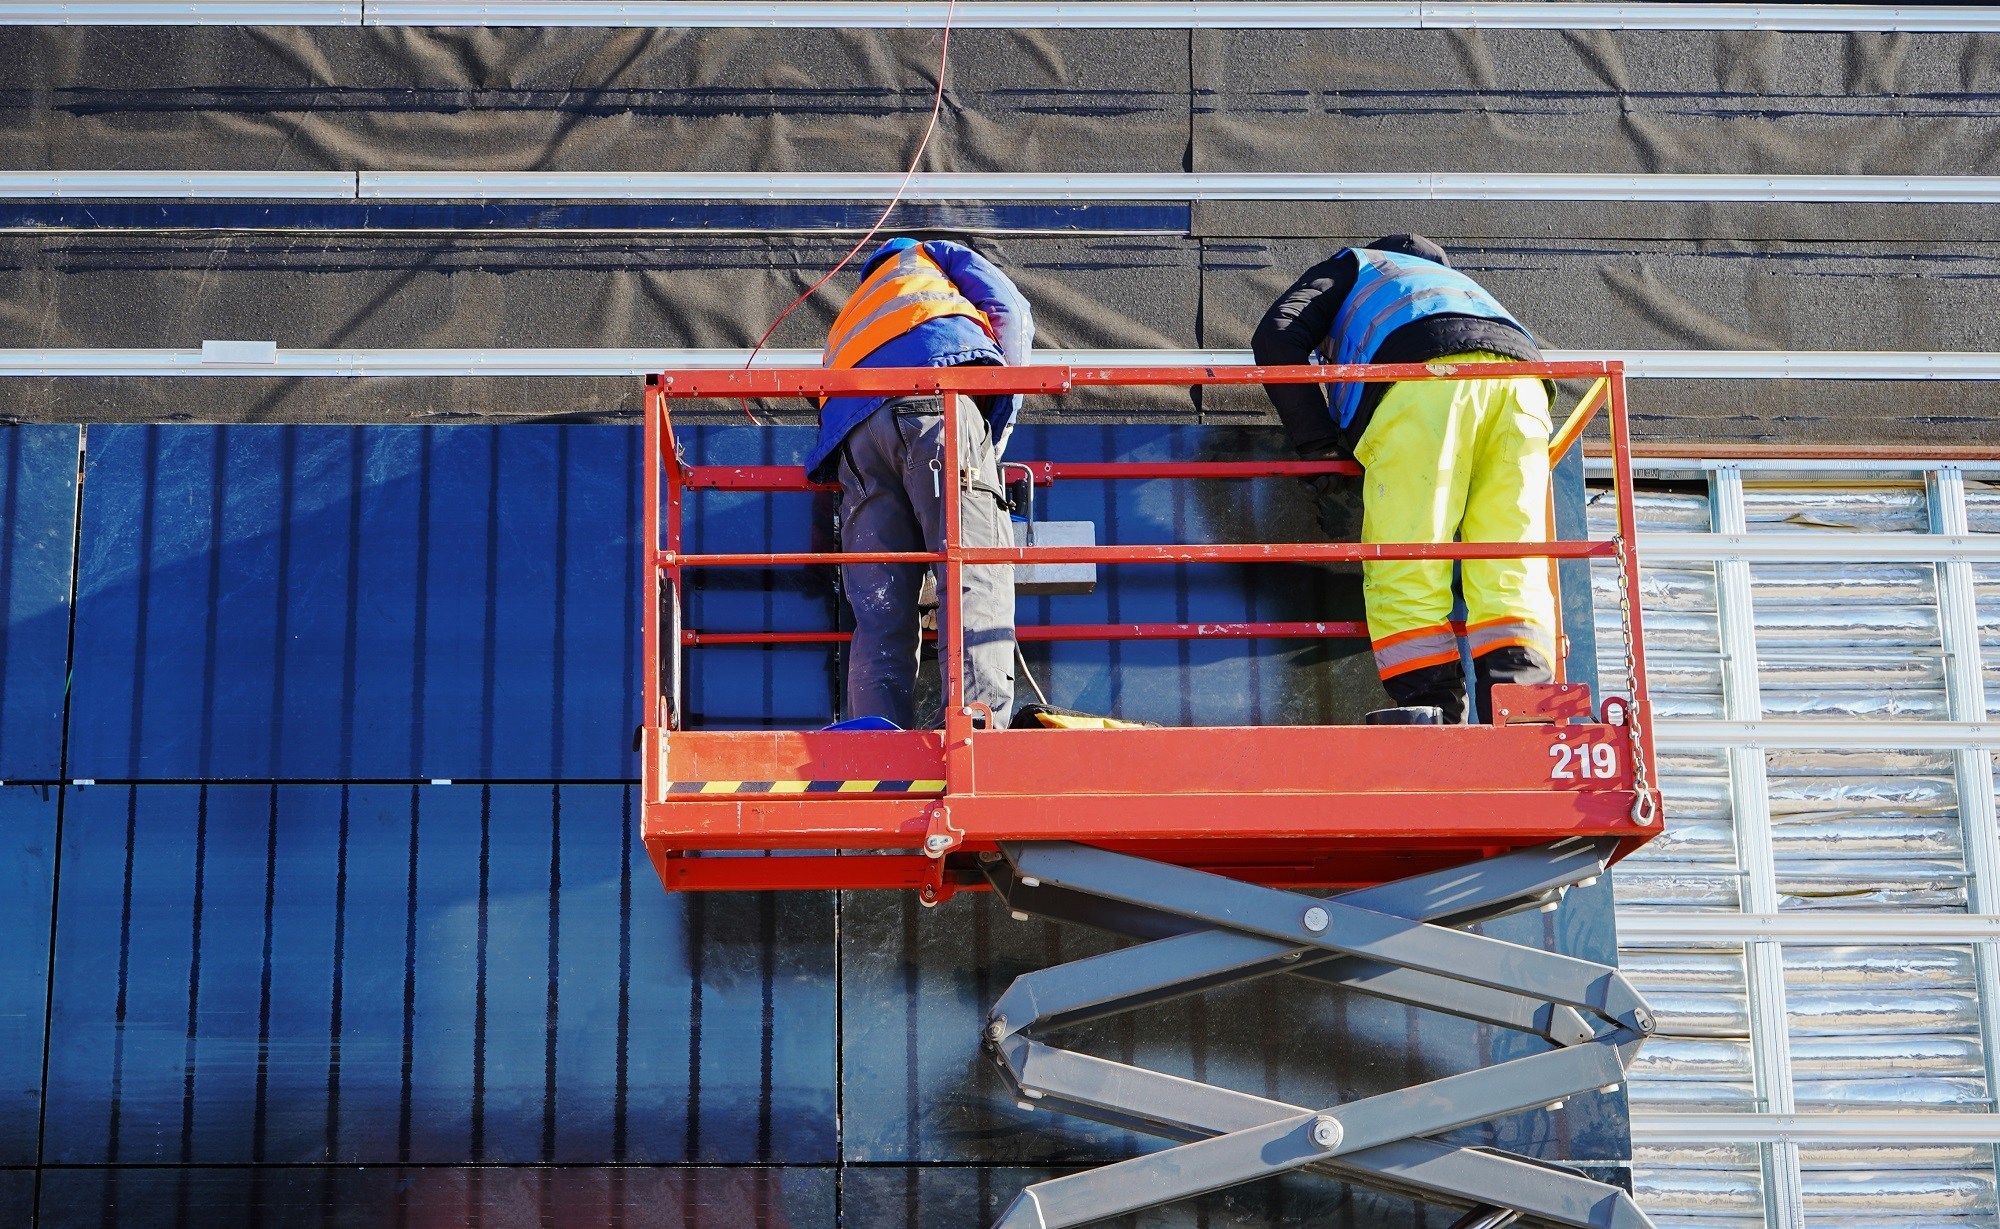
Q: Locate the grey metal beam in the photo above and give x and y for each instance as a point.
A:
(999, 186)
(512, 361)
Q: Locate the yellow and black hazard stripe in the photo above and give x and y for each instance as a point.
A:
(805, 787)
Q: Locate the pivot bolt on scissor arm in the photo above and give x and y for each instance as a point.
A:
(1398, 941)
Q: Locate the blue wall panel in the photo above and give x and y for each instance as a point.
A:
(37, 532)
(27, 885)
(428, 974)
(491, 1198)
(746, 687)
(371, 603)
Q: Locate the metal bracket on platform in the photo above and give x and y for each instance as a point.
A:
(1397, 941)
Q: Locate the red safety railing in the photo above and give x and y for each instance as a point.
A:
(712, 793)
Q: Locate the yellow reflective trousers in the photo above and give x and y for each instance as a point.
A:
(1464, 458)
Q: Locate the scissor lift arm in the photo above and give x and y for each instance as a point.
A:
(1398, 941)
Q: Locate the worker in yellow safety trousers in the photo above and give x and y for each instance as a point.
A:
(930, 304)
(1441, 459)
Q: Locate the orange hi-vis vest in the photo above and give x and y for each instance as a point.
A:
(902, 293)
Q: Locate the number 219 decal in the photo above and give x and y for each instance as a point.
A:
(1595, 761)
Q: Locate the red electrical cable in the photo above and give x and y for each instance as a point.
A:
(937, 104)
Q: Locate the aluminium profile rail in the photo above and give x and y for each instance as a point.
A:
(1017, 14)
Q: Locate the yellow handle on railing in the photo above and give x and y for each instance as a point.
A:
(1579, 418)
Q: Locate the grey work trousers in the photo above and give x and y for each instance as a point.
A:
(892, 480)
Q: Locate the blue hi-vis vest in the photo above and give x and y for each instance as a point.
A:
(1390, 291)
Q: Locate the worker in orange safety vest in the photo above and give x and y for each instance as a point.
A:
(922, 304)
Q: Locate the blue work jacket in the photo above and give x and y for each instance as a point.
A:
(947, 341)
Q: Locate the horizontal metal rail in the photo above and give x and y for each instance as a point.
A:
(1014, 14)
(1814, 928)
(1031, 633)
(989, 186)
(1844, 733)
(1845, 1127)
(1829, 546)
(1052, 377)
(1276, 552)
(582, 362)
(1175, 186)
(1044, 473)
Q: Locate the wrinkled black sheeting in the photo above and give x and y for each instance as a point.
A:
(165, 291)
(154, 291)
(416, 98)
(1611, 101)
(1598, 294)
(168, 290)
(1809, 222)
(1075, 100)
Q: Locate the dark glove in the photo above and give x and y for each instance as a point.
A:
(1336, 498)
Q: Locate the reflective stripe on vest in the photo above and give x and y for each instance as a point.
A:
(902, 293)
(1390, 291)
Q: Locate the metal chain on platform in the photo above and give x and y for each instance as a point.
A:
(1643, 808)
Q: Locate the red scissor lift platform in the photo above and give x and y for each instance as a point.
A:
(1188, 836)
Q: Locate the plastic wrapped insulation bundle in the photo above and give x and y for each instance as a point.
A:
(1872, 1029)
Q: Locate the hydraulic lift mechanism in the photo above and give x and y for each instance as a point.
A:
(1211, 847)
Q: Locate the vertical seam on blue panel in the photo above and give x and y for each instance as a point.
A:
(1183, 581)
(62, 807)
(149, 466)
(122, 1003)
(697, 940)
(489, 650)
(1113, 589)
(287, 462)
(261, 1117)
(350, 637)
(767, 580)
(634, 583)
(10, 524)
(337, 1002)
(912, 1069)
(478, 1141)
(986, 1080)
(217, 496)
(406, 1107)
(620, 1092)
(839, 1062)
(552, 1008)
(419, 675)
(559, 629)
(767, 959)
(194, 975)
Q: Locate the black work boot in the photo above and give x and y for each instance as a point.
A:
(1511, 663)
(1441, 686)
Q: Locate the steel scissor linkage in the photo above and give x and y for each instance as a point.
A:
(1395, 941)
